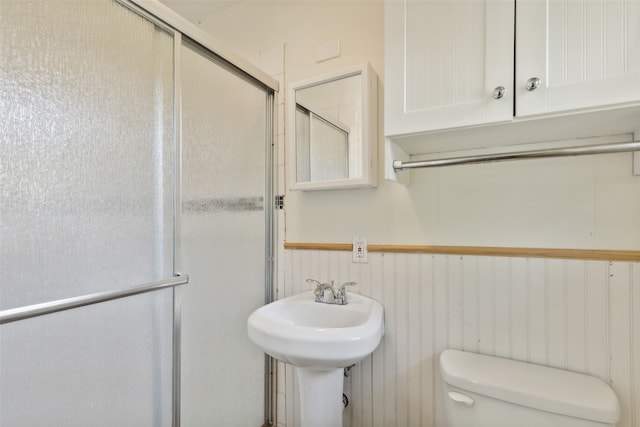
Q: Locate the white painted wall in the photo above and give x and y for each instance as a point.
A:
(589, 202)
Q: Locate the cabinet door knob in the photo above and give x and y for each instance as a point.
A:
(532, 84)
(499, 92)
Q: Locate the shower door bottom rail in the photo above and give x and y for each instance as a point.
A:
(26, 312)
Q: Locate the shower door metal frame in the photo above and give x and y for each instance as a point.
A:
(181, 28)
(177, 292)
(269, 208)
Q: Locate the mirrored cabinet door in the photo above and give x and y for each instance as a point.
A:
(333, 137)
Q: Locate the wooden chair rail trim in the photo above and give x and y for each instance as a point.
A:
(583, 254)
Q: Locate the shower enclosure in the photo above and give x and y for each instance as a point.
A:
(128, 153)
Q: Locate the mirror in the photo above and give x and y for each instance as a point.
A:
(333, 131)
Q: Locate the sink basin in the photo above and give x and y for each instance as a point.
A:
(305, 333)
(319, 340)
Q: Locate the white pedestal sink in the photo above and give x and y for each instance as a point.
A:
(319, 340)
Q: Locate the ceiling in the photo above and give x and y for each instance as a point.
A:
(197, 11)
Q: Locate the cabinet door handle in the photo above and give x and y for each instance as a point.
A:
(498, 92)
(532, 84)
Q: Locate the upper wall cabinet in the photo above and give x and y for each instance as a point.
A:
(583, 54)
(447, 64)
(450, 65)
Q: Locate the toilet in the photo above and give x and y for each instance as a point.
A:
(486, 391)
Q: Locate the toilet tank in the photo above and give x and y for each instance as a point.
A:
(485, 391)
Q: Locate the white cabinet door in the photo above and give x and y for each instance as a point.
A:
(585, 53)
(443, 60)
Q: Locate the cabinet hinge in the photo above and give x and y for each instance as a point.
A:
(279, 202)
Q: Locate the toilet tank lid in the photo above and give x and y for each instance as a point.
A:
(534, 386)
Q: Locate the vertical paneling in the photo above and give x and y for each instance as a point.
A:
(414, 334)
(454, 292)
(594, 38)
(583, 316)
(519, 310)
(597, 319)
(377, 358)
(427, 355)
(615, 21)
(390, 346)
(633, 59)
(621, 291)
(305, 265)
(485, 302)
(574, 36)
(440, 329)
(359, 411)
(445, 72)
(575, 306)
(403, 325)
(537, 312)
(556, 50)
(556, 310)
(589, 40)
(502, 308)
(469, 305)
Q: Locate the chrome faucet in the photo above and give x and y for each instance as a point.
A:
(326, 293)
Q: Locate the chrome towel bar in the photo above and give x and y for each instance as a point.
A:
(619, 147)
(26, 312)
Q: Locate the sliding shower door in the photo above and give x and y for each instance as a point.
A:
(224, 247)
(86, 206)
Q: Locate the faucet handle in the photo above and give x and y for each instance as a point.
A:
(319, 291)
(341, 295)
(315, 282)
(344, 285)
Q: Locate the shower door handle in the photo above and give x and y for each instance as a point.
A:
(26, 312)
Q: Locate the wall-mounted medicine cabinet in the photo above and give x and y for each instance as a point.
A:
(332, 133)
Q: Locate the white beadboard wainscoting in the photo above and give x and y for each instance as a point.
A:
(583, 316)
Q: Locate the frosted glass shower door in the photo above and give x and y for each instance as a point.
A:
(87, 151)
(223, 241)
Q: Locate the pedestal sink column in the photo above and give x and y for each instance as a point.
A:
(320, 396)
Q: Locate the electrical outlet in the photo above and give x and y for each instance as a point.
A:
(360, 249)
